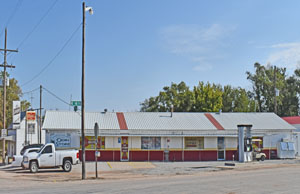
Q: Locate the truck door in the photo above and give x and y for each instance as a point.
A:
(47, 157)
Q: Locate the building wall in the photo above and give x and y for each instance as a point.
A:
(31, 138)
(210, 142)
(231, 142)
(73, 135)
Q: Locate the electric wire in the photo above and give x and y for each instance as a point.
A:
(37, 24)
(56, 96)
(57, 54)
(12, 15)
(28, 92)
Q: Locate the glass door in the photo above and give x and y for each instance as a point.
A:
(221, 148)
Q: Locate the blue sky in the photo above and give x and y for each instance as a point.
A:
(134, 48)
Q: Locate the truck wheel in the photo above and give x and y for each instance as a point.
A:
(33, 167)
(67, 166)
(262, 158)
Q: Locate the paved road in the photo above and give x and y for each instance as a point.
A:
(282, 179)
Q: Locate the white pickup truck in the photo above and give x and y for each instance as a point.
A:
(49, 157)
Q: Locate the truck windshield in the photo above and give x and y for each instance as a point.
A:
(41, 149)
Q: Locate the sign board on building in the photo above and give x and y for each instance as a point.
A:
(16, 114)
(31, 128)
(30, 116)
(3, 132)
(76, 103)
(61, 140)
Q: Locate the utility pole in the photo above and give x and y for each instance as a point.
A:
(5, 65)
(275, 92)
(82, 94)
(84, 9)
(41, 89)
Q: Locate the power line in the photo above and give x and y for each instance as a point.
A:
(56, 96)
(57, 54)
(30, 91)
(37, 24)
(12, 14)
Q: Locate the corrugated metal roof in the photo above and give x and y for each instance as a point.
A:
(164, 121)
(72, 120)
(259, 121)
(156, 121)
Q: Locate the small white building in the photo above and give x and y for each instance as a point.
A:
(27, 133)
(141, 136)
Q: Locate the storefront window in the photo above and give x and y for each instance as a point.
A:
(90, 142)
(151, 143)
(194, 142)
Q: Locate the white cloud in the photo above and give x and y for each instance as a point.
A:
(285, 55)
(196, 43)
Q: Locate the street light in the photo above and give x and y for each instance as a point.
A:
(84, 9)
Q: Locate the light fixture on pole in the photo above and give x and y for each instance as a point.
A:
(84, 9)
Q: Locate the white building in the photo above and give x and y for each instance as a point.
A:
(28, 131)
(140, 136)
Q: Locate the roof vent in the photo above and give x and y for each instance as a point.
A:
(105, 111)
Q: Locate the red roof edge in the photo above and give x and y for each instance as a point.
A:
(292, 120)
(214, 121)
(122, 121)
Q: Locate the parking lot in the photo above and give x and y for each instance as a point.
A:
(119, 177)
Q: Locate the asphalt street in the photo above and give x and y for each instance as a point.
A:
(267, 178)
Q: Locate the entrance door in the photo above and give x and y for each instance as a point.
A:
(124, 149)
(221, 148)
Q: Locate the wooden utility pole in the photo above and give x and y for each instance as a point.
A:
(275, 92)
(40, 138)
(5, 65)
(82, 94)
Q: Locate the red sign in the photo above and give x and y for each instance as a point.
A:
(30, 115)
(124, 149)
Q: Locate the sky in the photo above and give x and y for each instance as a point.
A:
(134, 48)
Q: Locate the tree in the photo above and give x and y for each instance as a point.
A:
(203, 98)
(177, 95)
(263, 82)
(237, 100)
(13, 93)
(208, 98)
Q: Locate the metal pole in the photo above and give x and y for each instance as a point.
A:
(82, 93)
(96, 131)
(41, 89)
(275, 100)
(96, 166)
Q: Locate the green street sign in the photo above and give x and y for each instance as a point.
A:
(76, 103)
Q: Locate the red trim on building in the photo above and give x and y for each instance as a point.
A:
(122, 121)
(292, 120)
(214, 121)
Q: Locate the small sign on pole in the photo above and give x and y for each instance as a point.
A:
(76, 103)
(96, 131)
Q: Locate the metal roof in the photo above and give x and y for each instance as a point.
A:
(259, 121)
(140, 122)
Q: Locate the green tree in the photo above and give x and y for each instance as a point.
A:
(263, 82)
(177, 95)
(237, 100)
(208, 98)
(13, 93)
